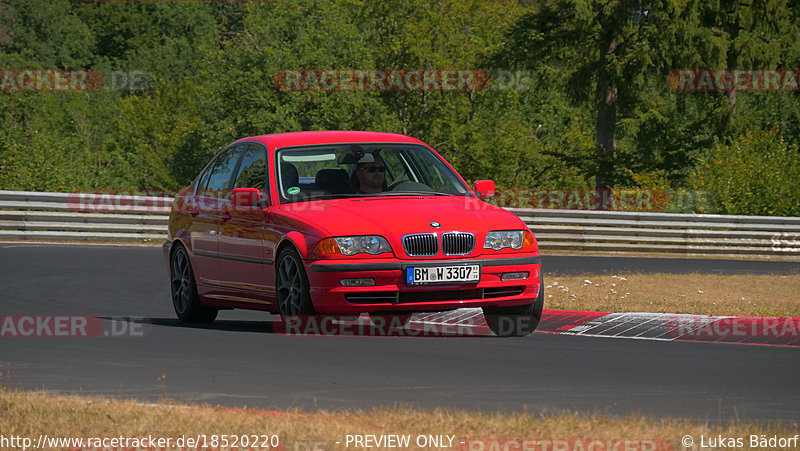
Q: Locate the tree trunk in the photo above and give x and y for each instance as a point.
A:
(732, 60)
(606, 137)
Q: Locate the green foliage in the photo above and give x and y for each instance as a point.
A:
(45, 33)
(757, 174)
(585, 102)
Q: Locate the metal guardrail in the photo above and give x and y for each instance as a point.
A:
(672, 233)
(26, 215)
(83, 217)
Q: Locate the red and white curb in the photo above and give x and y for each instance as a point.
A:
(775, 331)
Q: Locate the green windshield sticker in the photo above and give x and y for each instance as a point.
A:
(293, 190)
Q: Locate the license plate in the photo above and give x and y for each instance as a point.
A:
(442, 274)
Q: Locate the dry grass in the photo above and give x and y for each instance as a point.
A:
(671, 255)
(30, 414)
(707, 294)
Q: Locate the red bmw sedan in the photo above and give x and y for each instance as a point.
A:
(345, 223)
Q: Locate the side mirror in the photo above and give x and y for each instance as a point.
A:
(484, 188)
(245, 198)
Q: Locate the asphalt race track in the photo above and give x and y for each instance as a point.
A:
(240, 361)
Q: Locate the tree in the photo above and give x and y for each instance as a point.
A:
(44, 33)
(601, 51)
(732, 34)
(613, 57)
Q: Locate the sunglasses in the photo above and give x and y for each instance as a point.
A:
(374, 169)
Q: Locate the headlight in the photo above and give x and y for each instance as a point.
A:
(504, 239)
(352, 245)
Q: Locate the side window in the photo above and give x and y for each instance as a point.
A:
(200, 189)
(253, 169)
(223, 170)
(396, 167)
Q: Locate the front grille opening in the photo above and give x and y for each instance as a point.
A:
(457, 243)
(421, 245)
(372, 297)
(440, 296)
(394, 297)
(500, 292)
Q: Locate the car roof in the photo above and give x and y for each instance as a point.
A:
(277, 140)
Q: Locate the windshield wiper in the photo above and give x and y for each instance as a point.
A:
(311, 197)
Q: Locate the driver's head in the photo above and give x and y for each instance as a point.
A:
(371, 176)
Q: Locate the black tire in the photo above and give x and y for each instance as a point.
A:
(185, 298)
(389, 321)
(291, 285)
(516, 321)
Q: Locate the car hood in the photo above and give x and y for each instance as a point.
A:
(395, 216)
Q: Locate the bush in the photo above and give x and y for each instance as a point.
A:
(757, 174)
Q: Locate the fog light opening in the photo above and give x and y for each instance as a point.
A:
(357, 282)
(520, 275)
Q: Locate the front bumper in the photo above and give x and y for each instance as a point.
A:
(391, 293)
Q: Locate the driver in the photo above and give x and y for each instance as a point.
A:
(370, 177)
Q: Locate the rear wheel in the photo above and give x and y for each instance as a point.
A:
(185, 298)
(516, 321)
(291, 283)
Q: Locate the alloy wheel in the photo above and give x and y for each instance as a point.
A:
(181, 281)
(290, 286)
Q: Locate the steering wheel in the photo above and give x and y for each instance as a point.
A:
(408, 185)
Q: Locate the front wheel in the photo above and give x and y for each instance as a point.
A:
(516, 321)
(292, 287)
(185, 298)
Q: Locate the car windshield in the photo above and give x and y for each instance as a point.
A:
(361, 170)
